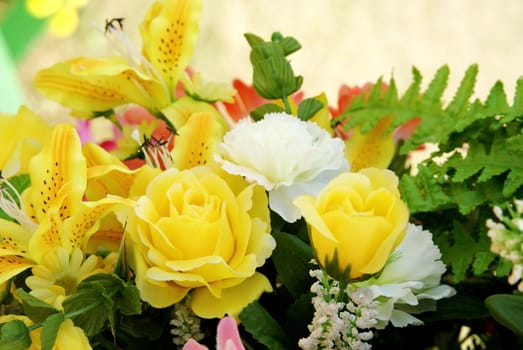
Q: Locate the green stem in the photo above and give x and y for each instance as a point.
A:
(285, 100)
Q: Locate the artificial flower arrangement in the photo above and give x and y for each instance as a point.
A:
(253, 217)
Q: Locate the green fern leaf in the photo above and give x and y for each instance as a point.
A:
(482, 261)
(498, 160)
(431, 100)
(412, 95)
(465, 91)
(422, 192)
(496, 102)
(459, 252)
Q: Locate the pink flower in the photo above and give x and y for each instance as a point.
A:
(227, 337)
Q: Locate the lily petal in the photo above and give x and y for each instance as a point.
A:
(197, 141)
(96, 85)
(26, 133)
(14, 239)
(106, 173)
(12, 265)
(169, 33)
(373, 149)
(58, 174)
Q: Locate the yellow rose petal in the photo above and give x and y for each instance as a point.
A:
(232, 300)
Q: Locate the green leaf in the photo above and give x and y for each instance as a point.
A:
(289, 45)
(274, 79)
(128, 300)
(14, 336)
(264, 328)
(465, 90)
(298, 316)
(308, 108)
(91, 308)
(497, 100)
(422, 192)
(258, 113)
(461, 306)
(292, 260)
(482, 261)
(504, 267)
(96, 300)
(253, 40)
(50, 329)
(265, 51)
(459, 254)
(19, 28)
(507, 309)
(412, 95)
(431, 100)
(34, 308)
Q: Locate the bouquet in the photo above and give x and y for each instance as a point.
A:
(253, 216)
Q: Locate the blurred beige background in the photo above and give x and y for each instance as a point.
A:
(344, 41)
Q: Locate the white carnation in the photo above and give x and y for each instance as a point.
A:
(287, 156)
(410, 282)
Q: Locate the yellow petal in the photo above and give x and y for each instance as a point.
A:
(358, 249)
(14, 239)
(373, 149)
(58, 173)
(23, 135)
(86, 221)
(108, 237)
(179, 112)
(64, 22)
(97, 85)
(159, 295)
(232, 300)
(197, 141)
(207, 91)
(106, 173)
(306, 205)
(382, 178)
(322, 117)
(47, 236)
(71, 337)
(169, 33)
(41, 9)
(12, 265)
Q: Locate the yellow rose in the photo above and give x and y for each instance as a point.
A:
(355, 222)
(69, 336)
(195, 230)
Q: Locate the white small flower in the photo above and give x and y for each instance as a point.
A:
(285, 155)
(410, 281)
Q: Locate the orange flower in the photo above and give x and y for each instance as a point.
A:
(247, 100)
(244, 102)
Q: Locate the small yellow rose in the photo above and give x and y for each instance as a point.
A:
(355, 222)
(195, 230)
(69, 336)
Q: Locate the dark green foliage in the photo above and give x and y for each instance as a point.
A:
(478, 165)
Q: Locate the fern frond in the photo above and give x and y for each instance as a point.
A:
(465, 90)
(437, 121)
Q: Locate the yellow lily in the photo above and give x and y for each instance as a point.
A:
(91, 86)
(197, 141)
(373, 149)
(51, 212)
(25, 133)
